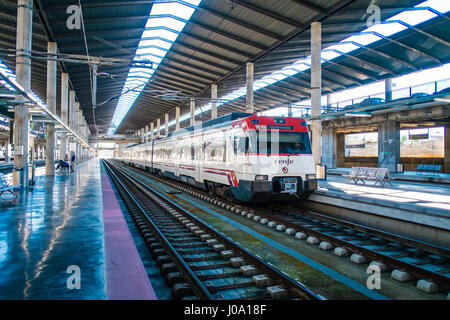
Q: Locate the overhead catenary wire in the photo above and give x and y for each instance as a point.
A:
(90, 68)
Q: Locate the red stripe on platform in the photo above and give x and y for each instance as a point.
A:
(126, 277)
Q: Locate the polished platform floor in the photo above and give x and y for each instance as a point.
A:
(58, 227)
(418, 194)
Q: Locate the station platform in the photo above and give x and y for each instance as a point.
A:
(69, 228)
(441, 178)
(412, 208)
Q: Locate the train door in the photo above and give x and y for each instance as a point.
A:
(241, 145)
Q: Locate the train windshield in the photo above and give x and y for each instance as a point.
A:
(275, 142)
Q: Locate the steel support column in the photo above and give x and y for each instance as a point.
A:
(388, 89)
(192, 111)
(177, 118)
(249, 83)
(158, 127)
(166, 124)
(316, 90)
(213, 101)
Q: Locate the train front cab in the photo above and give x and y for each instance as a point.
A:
(278, 153)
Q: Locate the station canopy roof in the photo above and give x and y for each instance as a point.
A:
(170, 51)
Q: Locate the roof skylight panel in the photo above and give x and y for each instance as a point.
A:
(169, 22)
(363, 39)
(386, 29)
(438, 5)
(160, 33)
(162, 28)
(156, 43)
(289, 71)
(148, 53)
(174, 8)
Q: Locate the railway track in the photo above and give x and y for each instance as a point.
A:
(406, 258)
(197, 261)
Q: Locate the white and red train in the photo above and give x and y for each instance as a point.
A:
(239, 156)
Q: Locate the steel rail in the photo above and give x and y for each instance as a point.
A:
(192, 278)
(286, 281)
(416, 271)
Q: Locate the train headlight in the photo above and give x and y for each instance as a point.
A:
(310, 177)
(261, 177)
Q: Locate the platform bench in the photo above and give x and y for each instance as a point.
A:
(432, 168)
(5, 187)
(379, 175)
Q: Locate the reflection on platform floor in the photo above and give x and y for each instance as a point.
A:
(59, 223)
(418, 193)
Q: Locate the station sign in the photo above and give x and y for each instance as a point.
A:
(418, 136)
(356, 146)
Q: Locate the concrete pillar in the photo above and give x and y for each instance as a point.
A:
(389, 145)
(192, 110)
(290, 114)
(7, 154)
(64, 112)
(71, 117)
(166, 124)
(388, 89)
(249, 83)
(158, 127)
(70, 120)
(23, 77)
(142, 132)
(213, 101)
(146, 133)
(78, 130)
(152, 128)
(78, 154)
(447, 149)
(177, 118)
(340, 150)
(316, 90)
(78, 119)
(329, 147)
(329, 103)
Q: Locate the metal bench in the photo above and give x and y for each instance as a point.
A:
(379, 175)
(353, 174)
(431, 168)
(5, 187)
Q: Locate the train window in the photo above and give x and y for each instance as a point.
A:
(214, 151)
(192, 153)
(235, 144)
(244, 143)
(285, 143)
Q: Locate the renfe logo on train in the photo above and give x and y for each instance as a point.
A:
(287, 162)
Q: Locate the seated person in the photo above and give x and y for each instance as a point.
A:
(62, 164)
